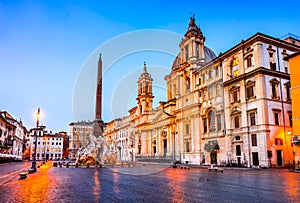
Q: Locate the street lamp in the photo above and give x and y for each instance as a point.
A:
(35, 144)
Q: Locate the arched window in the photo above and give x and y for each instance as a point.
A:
(212, 121)
(187, 83)
(274, 88)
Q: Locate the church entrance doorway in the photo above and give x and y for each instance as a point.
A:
(165, 147)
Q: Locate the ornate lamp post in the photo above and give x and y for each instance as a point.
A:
(35, 144)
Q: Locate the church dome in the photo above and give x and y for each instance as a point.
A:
(208, 56)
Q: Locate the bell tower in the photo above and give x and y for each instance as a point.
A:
(145, 96)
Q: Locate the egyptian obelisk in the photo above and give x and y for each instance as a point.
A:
(98, 122)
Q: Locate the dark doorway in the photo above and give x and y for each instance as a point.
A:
(154, 150)
(47, 157)
(239, 161)
(279, 157)
(165, 147)
(213, 157)
(255, 158)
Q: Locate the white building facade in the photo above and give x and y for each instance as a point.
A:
(232, 109)
(49, 145)
(79, 134)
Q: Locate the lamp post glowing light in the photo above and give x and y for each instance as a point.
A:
(38, 114)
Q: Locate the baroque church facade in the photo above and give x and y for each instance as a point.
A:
(230, 109)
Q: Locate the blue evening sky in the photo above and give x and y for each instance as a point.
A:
(45, 44)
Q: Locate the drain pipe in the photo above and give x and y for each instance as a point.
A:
(246, 102)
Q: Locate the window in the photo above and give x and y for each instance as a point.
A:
(199, 80)
(238, 150)
(203, 78)
(273, 66)
(272, 61)
(187, 145)
(274, 91)
(197, 50)
(250, 89)
(234, 68)
(219, 122)
(252, 119)
(217, 71)
(249, 61)
(218, 90)
(291, 119)
(210, 74)
(211, 92)
(186, 53)
(234, 95)
(187, 129)
(274, 88)
(236, 121)
(288, 91)
(278, 141)
(187, 84)
(276, 118)
(211, 118)
(205, 125)
(254, 140)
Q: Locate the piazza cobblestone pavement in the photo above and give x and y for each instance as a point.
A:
(123, 184)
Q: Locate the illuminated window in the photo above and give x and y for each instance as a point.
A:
(234, 68)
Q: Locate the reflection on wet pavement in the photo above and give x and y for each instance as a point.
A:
(55, 184)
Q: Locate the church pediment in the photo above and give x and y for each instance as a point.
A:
(162, 115)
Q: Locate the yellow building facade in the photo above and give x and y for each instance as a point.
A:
(294, 62)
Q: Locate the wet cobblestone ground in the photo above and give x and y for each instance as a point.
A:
(55, 184)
